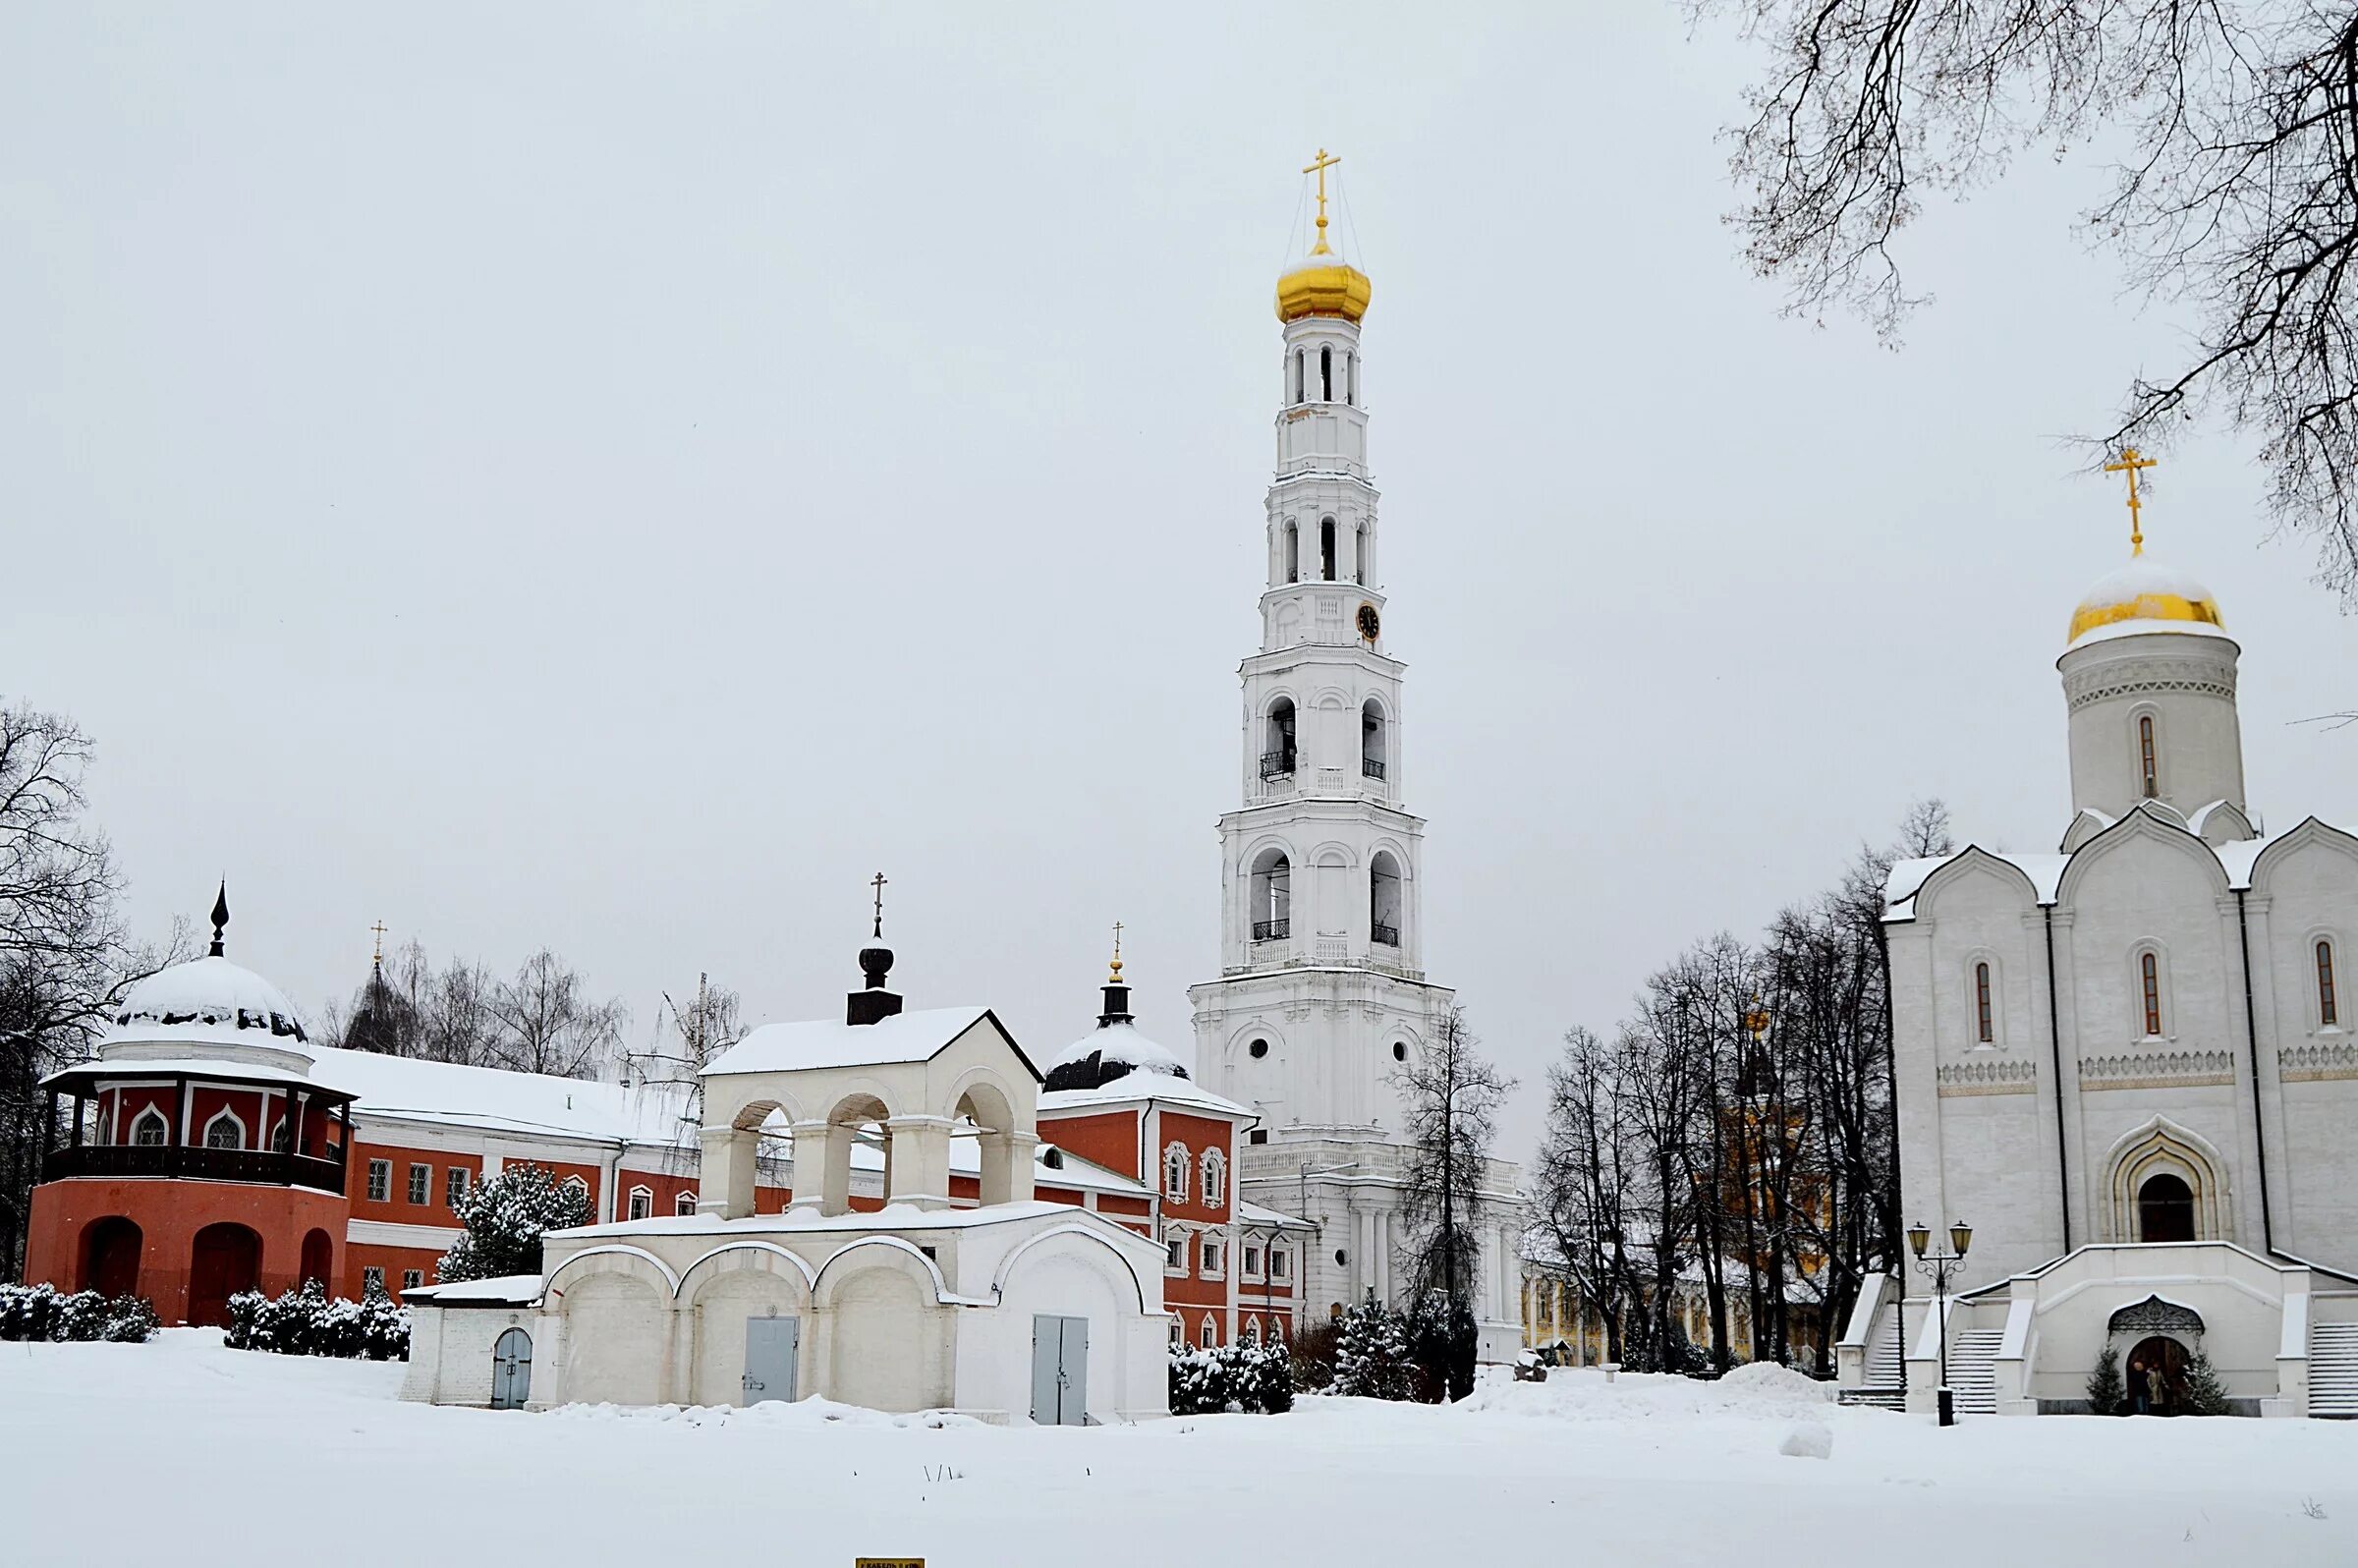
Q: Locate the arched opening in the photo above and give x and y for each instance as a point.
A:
(1359, 558)
(511, 1370)
(857, 1119)
(984, 1112)
(2147, 767)
(1273, 895)
(1351, 379)
(2155, 1375)
(1383, 900)
(1293, 551)
(110, 1257)
(2328, 1007)
(1327, 549)
(318, 1258)
(1326, 375)
(1301, 359)
(224, 1259)
(1277, 740)
(148, 1129)
(1985, 1024)
(2149, 988)
(2164, 1209)
(1370, 739)
(224, 1131)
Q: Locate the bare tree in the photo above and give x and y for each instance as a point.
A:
(1450, 1095)
(2237, 194)
(1585, 1177)
(544, 1022)
(66, 958)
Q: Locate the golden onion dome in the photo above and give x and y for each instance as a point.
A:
(1322, 283)
(2146, 597)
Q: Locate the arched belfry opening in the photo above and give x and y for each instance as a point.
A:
(1373, 757)
(1327, 549)
(1293, 551)
(1278, 741)
(1272, 896)
(1383, 900)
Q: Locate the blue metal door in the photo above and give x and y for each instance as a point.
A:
(1059, 1370)
(770, 1345)
(512, 1370)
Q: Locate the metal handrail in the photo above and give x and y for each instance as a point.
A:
(1276, 931)
(196, 1162)
(1277, 764)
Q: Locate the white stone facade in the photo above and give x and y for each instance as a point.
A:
(2129, 1065)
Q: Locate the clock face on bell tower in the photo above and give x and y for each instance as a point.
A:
(1369, 623)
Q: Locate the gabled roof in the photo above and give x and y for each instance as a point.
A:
(831, 1042)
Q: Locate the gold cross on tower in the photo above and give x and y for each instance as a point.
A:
(879, 882)
(379, 956)
(1319, 167)
(2130, 461)
(1115, 978)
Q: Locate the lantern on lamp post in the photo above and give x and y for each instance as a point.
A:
(1940, 1268)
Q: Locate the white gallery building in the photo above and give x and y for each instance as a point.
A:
(2129, 1065)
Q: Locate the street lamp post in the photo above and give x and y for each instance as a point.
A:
(1940, 1266)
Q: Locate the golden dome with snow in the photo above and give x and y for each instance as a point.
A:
(1322, 283)
(2145, 596)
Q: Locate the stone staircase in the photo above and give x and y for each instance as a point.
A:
(2333, 1370)
(1971, 1374)
(1882, 1388)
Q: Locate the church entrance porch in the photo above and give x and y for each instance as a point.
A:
(2155, 1374)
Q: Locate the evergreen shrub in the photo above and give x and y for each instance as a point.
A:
(309, 1322)
(43, 1313)
(2107, 1396)
(1249, 1380)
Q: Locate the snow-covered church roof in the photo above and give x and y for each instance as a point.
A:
(208, 1001)
(1115, 1063)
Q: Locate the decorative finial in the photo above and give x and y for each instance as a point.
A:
(376, 960)
(220, 915)
(1115, 978)
(2130, 461)
(877, 931)
(1319, 167)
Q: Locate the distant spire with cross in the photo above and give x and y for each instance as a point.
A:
(877, 930)
(1319, 166)
(2130, 461)
(376, 960)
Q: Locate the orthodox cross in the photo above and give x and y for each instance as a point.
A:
(1319, 167)
(879, 882)
(1117, 954)
(379, 958)
(2130, 461)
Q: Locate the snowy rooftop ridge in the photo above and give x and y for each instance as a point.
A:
(831, 1042)
(209, 1000)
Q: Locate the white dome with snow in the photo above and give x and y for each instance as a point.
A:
(207, 1002)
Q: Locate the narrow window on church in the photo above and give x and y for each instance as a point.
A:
(1326, 375)
(2145, 755)
(1212, 1334)
(1983, 1030)
(2329, 1011)
(1326, 548)
(1359, 562)
(1300, 362)
(2148, 971)
(1293, 551)
(1351, 379)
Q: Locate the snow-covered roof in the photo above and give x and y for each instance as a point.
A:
(508, 1290)
(492, 1100)
(1121, 1043)
(1134, 1088)
(143, 1067)
(892, 1216)
(1254, 1215)
(832, 1043)
(207, 1000)
(2141, 597)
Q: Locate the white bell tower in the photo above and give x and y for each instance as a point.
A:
(1322, 994)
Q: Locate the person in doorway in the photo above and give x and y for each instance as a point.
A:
(2140, 1391)
(2158, 1395)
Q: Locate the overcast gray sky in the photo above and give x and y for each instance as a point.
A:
(616, 476)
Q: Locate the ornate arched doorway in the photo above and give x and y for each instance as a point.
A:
(110, 1257)
(2164, 1209)
(224, 1259)
(2159, 1362)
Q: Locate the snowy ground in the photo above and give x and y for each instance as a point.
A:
(181, 1451)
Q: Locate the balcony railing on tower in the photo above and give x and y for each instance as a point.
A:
(1384, 936)
(1276, 931)
(1370, 767)
(259, 1165)
(1277, 764)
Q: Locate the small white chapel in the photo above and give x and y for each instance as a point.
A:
(1008, 1309)
(2129, 1065)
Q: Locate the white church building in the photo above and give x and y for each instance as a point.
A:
(2129, 1065)
(1322, 995)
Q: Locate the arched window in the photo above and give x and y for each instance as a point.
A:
(282, 1137)
(1272, 897)
(224, 1131)
(1178, 1335)
(1252, 1332)
(1174, 1173)
(1359, 560)
(2149, 976)
(1383, 900)
(685, 1204)
(2328, 1010)
(1277, 740)
(1351, 379)
(2165, 1209)
(1293, 551)
(1370, 739)
(576, 1184)
(1326, 375)
(1984, 1027)
(1210, 1339)
(1301, 360)
(1215, 1178)
(2145, 755)
(148, 1129)
(642, 1203)
(1326, 548)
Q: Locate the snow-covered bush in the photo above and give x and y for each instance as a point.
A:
(2106, 1394)
(1372, 1356)
(2205, 1394)
(504, 1219)
(1256, 1380)
(40, 1311)
(1444, 1346)
(309, 1322)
